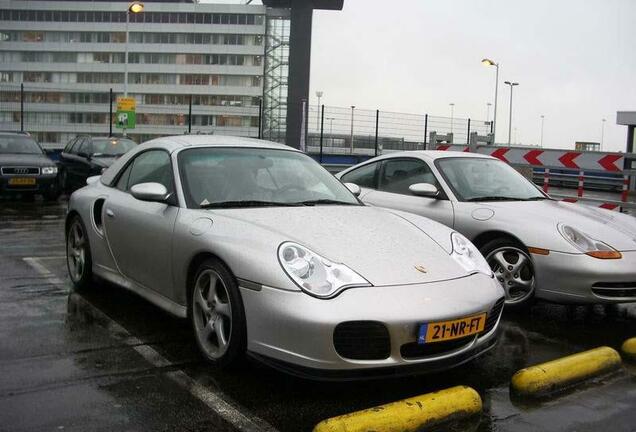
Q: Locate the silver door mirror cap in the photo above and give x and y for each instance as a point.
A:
(92, 179)
(153, 192)
(353, 188)
(424, 189)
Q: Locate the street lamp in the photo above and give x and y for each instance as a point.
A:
(352, 108)
(134, 8)
(452, 107)
(541, 140)
(602, 132)
(488, 62)
(512, 85)
(318, 95)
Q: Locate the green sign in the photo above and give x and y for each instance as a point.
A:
(125, 119)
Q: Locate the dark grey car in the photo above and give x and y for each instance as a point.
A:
(25, 168)
(86, 156)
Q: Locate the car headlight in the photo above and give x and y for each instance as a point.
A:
(314, 274)
(49, 170)
(468, 256)
(588, 245)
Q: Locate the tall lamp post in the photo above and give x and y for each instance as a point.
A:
(489, 62)
(602, 132)
(541, 139)
(512, 85)
(318, 95)
(133, 7)
(452, 107)
(352, 108)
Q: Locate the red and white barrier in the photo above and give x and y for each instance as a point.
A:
(582, 161)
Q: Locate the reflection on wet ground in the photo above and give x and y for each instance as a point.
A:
(74, 358)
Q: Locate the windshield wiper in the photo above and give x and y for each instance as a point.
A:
(494, 198)
(323, 202)
(247, 203)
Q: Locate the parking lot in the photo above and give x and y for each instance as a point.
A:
(105, 359)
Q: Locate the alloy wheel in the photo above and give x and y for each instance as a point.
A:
(212, 313)
(76, 251)
(514, 270)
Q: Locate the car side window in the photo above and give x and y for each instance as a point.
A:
(82, 147)
(122, 183)
(365, 176)
(151, 167)
(398, 174)
(70, 145)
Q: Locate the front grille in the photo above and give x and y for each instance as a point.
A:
(493, 316)
(362, 340)
(414, 350)
(615, 289)
(20, 171)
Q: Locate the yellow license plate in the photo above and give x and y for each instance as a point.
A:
(22, 181)
(453, 329)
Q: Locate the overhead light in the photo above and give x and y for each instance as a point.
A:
(136, 7)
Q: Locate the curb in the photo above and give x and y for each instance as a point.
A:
(545, 378)
(411, 414)
(629, 349)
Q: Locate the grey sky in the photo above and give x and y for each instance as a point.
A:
(575, 61)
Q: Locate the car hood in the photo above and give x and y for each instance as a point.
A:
(13, 159)
(616, 229)
(381, 246)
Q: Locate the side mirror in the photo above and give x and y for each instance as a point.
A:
(153, 192)
(353, 188)
(424, 189)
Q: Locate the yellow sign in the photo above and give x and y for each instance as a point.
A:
(126, 104)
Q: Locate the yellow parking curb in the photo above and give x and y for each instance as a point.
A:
(409, 414)
(554, 375)
(629, 349)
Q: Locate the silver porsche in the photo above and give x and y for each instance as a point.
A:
(268, 254)
(536, 246)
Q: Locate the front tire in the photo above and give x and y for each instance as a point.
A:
(78, 254)
(513, 267)
(217, 315)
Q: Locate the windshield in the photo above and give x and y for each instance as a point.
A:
(19, 145)
(111, 146)
(252, 177)
(477, 179)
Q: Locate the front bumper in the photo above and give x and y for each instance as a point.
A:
(43, 184)
(295, 331)
(579, 278)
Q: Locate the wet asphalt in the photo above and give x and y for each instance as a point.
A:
(75, 361)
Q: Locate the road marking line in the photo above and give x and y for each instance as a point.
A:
(233, 413)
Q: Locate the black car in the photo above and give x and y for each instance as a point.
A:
(25, 168)
(86, 156)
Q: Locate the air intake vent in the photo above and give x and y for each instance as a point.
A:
(493, 316)
(362, 340)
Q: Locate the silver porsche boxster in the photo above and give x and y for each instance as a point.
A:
(537, 246)
(268, 254)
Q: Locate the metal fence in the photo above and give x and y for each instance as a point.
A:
(54, 114)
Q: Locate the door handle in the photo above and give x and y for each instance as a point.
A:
(110, 213)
